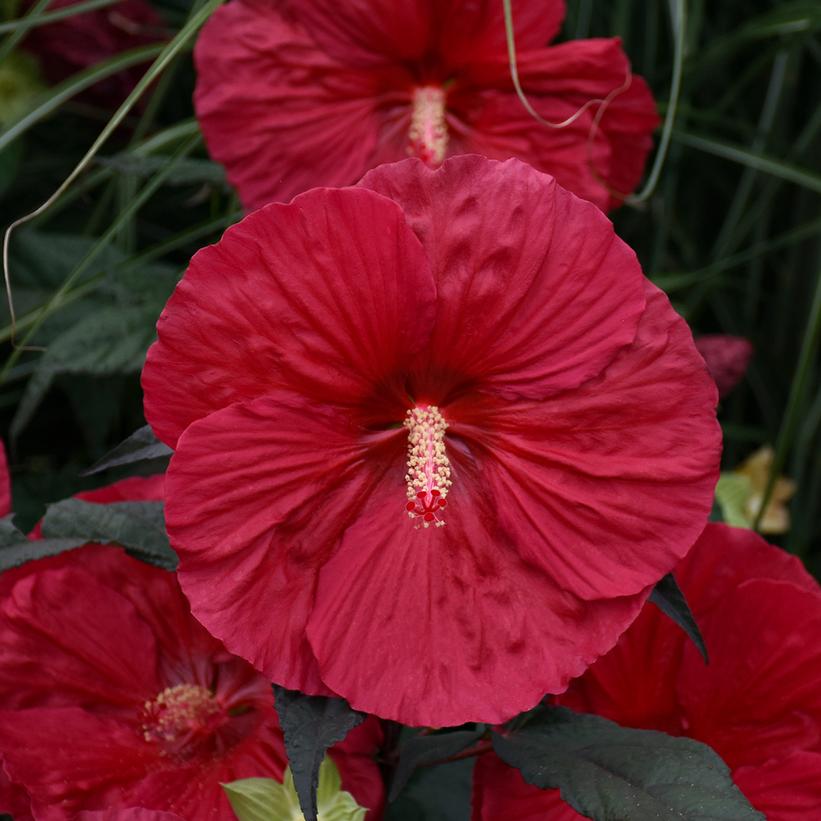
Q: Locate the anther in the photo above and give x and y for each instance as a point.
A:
(428, 133)
(428, 475)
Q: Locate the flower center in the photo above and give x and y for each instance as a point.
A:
(428, 133)
(428, 475)
(180, 715)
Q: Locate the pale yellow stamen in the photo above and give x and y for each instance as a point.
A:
(178, 711)
(428, 475)
(428, 133)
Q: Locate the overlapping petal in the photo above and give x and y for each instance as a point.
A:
(259, 495)
(329, 295)
(756, 703)
(557, 292)
(449, 613)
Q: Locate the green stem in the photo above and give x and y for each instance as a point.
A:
(801, 379)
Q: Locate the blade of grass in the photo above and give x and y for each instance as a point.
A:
(803, 372)
(31, 21)
(147, 191)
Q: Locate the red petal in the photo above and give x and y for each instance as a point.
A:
(759, 698)
(378, 32)
(438, 626)
(787, 789)
(131, 814)
(537, 293)
(276, 110)
(592, 161)
(605, 487)
(258, 495)
(329, 295)
(90, 757)
(500, 792)
(85, 665)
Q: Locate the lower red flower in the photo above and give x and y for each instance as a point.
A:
(758, 703)
(128, 699)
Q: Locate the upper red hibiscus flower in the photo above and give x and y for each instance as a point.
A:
(292, 95)
(82, 40)
(113, 695)
(758, 703)
(470, 348)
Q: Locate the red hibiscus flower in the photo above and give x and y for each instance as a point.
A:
(438, 430)
(727, 358)
(128, 701)
(292, 95)
(758, 703)
(82, 40)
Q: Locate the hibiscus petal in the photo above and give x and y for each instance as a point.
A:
(275, 109)
(773, 649)
(89, 756)
(605, 487)
(597, 162)
(557, 292)
(258, 495)
(785, 789)
(326, 295)
(85, 665)
(444, 625)
(500, 791)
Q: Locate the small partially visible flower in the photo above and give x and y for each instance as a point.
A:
(405, 412)
(758, 703)
(129, 700)
(740, 494)
(727, 358)
(297, 94)
(74, 43)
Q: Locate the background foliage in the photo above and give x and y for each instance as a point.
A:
(731, 233)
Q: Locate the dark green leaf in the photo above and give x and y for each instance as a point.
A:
(310, 725)
(138, 526)
(440, 793)
(141, 445)
(9, 534)
(110, 341)
(27, 551)
(423, 750)
(669, 598)
(611, 773)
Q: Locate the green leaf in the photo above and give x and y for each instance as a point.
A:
(139, 527)
(611, 773)
(139, 447)
(421, 751)
(440, 793)
(16, 549)
(111, 341)
(669, 598)
(311, 724)
(733, 492)
(264, 799)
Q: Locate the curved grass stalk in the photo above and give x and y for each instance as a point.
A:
(32, 20)
(165, 56)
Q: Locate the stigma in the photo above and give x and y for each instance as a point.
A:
(428, 133)
(428, 473)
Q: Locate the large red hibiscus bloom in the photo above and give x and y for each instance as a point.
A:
(758, 703)
(293, 94)
(436, 438)
(114, 697)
